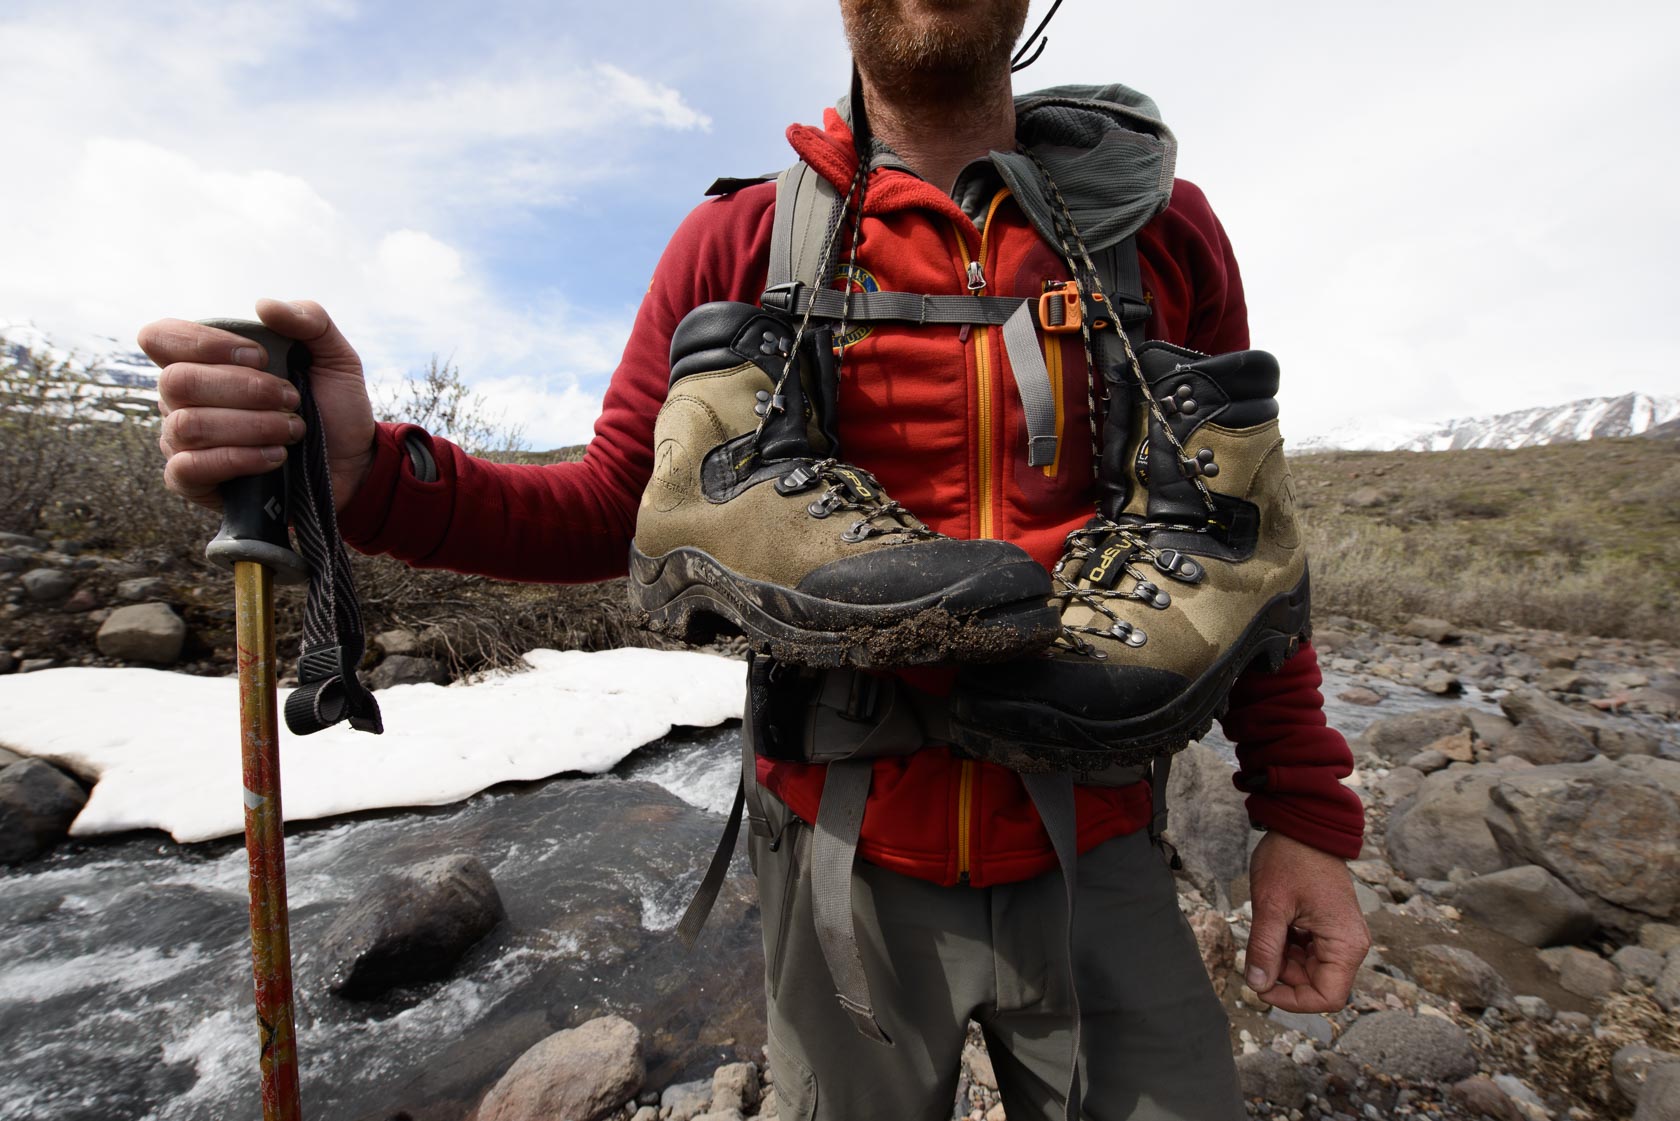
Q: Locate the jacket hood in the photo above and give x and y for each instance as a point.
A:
(1105, 147)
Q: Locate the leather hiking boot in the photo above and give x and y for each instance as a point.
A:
(749, 522)
(1192, 570)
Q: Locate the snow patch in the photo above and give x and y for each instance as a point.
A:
(165, 746)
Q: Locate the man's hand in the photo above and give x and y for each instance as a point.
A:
(1308, 936)
(224, 416)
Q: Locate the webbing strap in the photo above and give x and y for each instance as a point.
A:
(902, 307)
(805, 206)
(333, 641)
(1159, 772)
(833, 851)
(1052, 797)
(1032, 379)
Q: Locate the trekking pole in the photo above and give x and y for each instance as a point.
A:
(253, 542)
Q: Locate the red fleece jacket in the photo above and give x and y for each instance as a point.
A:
(929, 815)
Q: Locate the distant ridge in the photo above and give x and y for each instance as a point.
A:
(1631, 414)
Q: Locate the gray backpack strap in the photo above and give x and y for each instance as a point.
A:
(807, 205)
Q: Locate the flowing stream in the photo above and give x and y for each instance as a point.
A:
(125, 981)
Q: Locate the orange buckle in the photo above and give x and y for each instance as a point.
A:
(1060, 309)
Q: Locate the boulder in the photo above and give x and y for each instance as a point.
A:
(398, 641)
(1638, 965)
(1660, 1099)
(1631, 1066)
(402, 669)
(1399, 784)
(1442, 827)
(1526, 903)
(1395, 738)
(143, 632)
(1209, 825)
(47, 585)
(1582, 972)
(581, 1074)
(142, 588)
(1659, 936)
(735, 1086)
(1544, 740)
(1667, 990)
(1480, 1097)
(412, 927)
(1428, 761)
(686, 1100)
(1435, 630)
(37, 804)
(1609, 737)
(1360, 695)
(1609, 830)
(1407, 1045)
(24, 542)
(1268, 1075)
(1458, 974)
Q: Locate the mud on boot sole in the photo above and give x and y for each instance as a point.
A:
(689, 596)
(1036, 736)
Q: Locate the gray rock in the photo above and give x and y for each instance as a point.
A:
(23, 541)
(1489, 727)
(1582, 972)
(144, 632)
(1408, 1045)
(37, 804)
(1442, 826)
(142, 588)
(1273, 1077)
(398, 641)
(47, 585)
(1667, 990)
(1534, 1008)
(1367, 898)
(735, 1086)
(1435, 630)
(1442, 684)
(581, 1074)
(1630, 1066)
(31, 665)
(1360, 695)
(1428, 761)
(1481, 1097)
(1659, 936)
(1309, 1024)
(1544, 740)
(1458, 974)
(1609, 830)
(1609, 737)
(646, 1113)
(1398, 785)
(1399, 737)
(1638, 964)
(1574, 1021)
(722, 1115)
(412, 927)
(686, 1100)
(1527, 903)
(401, 669)
(1660, 1100)
(1209, 826)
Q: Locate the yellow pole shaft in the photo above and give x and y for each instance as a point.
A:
(271, 947)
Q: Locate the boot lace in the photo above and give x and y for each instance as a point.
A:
(852, 489)
(1103, 546)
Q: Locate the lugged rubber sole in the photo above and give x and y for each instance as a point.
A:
(992, 615)
(1037, 736)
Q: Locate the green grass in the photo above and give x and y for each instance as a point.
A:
(1581, 537)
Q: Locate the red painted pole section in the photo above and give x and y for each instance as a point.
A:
(271, 947)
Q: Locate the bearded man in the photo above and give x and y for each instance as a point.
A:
(960, 906)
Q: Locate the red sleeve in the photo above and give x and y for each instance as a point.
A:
(565, 522)
(1290, 761)
(1190, 276)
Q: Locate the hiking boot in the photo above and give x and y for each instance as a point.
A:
(750, 523)
(1192, 570)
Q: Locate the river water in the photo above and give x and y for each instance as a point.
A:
(125, 982)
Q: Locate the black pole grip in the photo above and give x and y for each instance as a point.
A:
(254, 511)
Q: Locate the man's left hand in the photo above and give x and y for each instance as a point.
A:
(1308, 935)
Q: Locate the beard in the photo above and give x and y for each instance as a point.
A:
(945, 49)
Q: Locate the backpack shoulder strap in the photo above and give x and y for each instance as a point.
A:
(806, 205)
(1122, 280)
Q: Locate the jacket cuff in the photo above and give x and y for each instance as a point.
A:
(394, 511)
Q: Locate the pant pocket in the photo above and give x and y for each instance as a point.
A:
(796, 1085)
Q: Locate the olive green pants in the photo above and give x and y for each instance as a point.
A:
(1156, 1043)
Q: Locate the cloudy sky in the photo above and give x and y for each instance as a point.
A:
(1440, 208)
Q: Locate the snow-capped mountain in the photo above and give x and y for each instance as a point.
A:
(1631, 414)
(110, 363)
